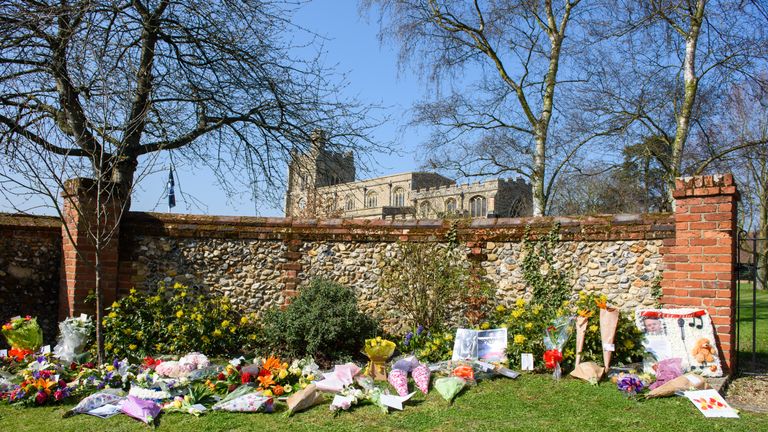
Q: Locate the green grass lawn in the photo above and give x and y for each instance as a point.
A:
(745, 328)
(530, 403)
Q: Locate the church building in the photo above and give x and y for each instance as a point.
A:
(322, 183)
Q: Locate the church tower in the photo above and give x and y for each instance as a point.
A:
(316, 168)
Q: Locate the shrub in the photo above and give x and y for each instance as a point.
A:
(427, 346)
(323, 321)
(176, 321)
(525, 324)
(422, 281)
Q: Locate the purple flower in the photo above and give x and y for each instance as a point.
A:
(419, 330)
(630, 384)
(408, 338)
(40, 359)
(116, 363)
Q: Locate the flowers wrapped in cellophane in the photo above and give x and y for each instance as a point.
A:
(556, 335)
(73, 335)
(23, 334)
(378, 351)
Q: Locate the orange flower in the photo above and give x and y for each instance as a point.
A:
(586, 313)
(266, 381)
(465, 372)
(601, 303)
(278, 390)
(271, 363)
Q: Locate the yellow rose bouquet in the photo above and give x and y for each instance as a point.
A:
(378, 351)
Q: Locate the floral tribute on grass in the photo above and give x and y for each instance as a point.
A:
(162, 368)
(24, 335)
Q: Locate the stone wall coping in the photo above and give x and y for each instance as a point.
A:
(29, 222)
(594, 227)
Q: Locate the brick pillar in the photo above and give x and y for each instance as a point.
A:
(79, 226)
(291, 268)
(699, 263)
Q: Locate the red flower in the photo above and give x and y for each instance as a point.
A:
(552, 358)
(62, 383)
(73, 366)
(27, 317)
(40, 398)
(245, 378)
(264, 372)
(58, 395)
(221, 376)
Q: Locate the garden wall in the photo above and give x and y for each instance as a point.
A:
(262, 262)
(30, 256)
(685, 259)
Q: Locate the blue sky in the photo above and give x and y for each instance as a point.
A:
(352, 47)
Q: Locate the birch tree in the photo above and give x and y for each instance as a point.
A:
(500, 123)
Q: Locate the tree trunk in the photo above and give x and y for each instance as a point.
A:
(537, 179)
(690, 88)
(762, 245)
(99, 307)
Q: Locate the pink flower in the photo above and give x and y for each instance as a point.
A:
(58, 395)
(41, 398)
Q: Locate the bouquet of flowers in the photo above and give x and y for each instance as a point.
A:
(73, 334)
(117, 375)
(630, 384)
(378, 351)
(555, 337)
(183, 367)
(23, 335)
(41, 384)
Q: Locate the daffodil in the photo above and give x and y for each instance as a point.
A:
(520, 302)
(519, 339)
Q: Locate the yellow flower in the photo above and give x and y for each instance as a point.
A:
(517, 313)
(108, 346)
(179, 314)
(537, 310)
(267, 393)
(225, 324)
(217, 333)
(132, 347)
(519, 339)
(110, 368)
(586, 313)
(594, 328)
(282, 374)
(132, 291)
(112, 315)
(244, 320)
(520, 302)
(500, 308)
(232, 329)
(628, 344)
(448, 337)
(177, 285)
(205, 339)
(115, 304)
(140, 335)
(528, 325)
(485, 326)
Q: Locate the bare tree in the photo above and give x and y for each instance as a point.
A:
(746, 121)
(219, 80)
(666, 67)
(95, 87)
(503, 121)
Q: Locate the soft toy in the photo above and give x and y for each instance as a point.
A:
(703, 351)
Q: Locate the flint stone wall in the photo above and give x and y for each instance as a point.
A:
(263, 262)
(30, 257)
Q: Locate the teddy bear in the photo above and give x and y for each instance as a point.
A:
(703, 351)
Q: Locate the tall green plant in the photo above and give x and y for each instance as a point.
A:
(422, 281)
(549, 284)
